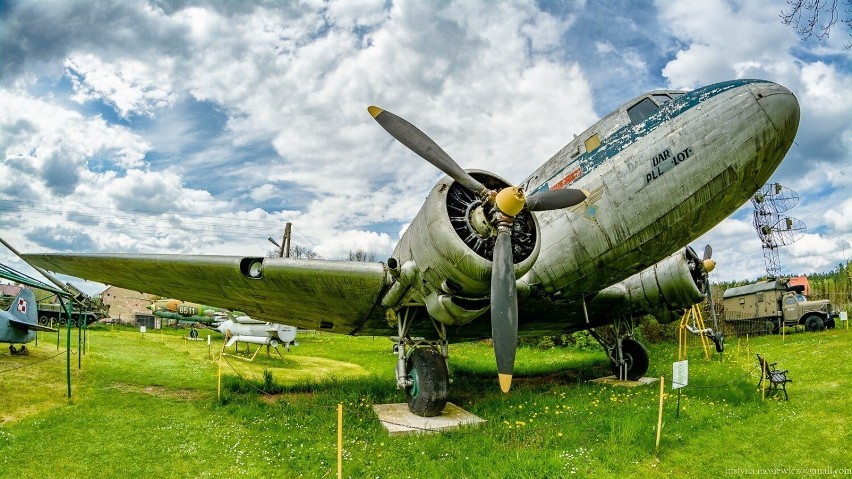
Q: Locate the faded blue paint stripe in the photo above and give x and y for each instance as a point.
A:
(629, 134)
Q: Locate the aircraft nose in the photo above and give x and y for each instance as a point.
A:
(781, 108)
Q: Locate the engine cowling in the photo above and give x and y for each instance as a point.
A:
(664, 289)
(444, 258)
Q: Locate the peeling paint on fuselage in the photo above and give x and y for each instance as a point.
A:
(734, 145)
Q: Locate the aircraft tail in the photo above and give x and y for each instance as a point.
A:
(24, 307)
(24, 312)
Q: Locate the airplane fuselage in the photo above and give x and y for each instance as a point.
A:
(12, 335)
(658, 183)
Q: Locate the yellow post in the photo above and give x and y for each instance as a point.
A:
(738, 349)
(748, 348)
(763, 371)
(219, 387)
(340, 441)
(660, 417)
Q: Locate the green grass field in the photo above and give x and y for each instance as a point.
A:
(146, 406)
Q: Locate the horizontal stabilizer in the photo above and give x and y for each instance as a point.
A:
(30, 326)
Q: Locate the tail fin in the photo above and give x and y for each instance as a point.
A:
(24, 312)
(24, 307)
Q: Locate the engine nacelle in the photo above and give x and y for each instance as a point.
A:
(444, 257)
(672, 285)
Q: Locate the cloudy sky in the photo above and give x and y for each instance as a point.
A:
(203, 127)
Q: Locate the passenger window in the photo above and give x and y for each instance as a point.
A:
(641, 110)
(760, 297)
(593, 142)
(790, 300)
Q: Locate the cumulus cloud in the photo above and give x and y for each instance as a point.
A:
(51, 145)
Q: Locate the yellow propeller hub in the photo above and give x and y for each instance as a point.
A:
(510, 200)
(709, 265)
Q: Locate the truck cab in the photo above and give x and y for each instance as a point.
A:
(813, 315)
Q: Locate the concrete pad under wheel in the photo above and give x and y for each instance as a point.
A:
(617, 382)
(398, 420)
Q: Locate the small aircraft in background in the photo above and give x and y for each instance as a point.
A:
(240, 328)
(185, 312)
(19, 323)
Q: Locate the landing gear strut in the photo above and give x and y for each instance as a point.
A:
(628, 358)
(421, 368)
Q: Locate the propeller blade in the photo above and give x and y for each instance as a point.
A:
(420, 143)
(555, 199)
(504, 307)
(708, 251)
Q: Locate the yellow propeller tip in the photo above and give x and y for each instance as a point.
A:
(374, 110)
(505, 382)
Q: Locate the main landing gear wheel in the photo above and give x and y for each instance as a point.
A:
(430, 380)
(719, 340)
(635, 358)
(193, 333)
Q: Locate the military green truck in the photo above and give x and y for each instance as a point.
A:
(772, 301)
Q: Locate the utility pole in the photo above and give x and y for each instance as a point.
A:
(284, 252)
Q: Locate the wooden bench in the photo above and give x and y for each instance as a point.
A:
(775, 376)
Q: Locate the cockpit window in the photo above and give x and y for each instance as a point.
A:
(676, 95)
(641, 110)
(661, 98)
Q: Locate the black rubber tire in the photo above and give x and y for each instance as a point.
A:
(719, 341)
(44, 321)
(193, 333)
(814, 323)
(637, 359)
(428, 395)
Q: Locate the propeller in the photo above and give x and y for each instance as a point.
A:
(506, 203)
(708, 264)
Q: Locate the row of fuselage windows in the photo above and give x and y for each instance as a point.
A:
(637, 113)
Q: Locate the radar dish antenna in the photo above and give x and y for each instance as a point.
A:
(773, 229)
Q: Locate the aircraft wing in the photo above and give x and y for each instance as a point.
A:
(29, 326)
(337, 296)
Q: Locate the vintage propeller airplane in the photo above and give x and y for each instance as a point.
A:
(600, 237)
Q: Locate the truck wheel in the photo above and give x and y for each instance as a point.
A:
(814, 323)
(43, 321)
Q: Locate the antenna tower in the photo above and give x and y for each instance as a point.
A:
(773, 229)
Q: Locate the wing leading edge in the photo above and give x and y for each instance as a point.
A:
(337, 296)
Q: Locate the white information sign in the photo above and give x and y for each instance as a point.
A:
(680, 374)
